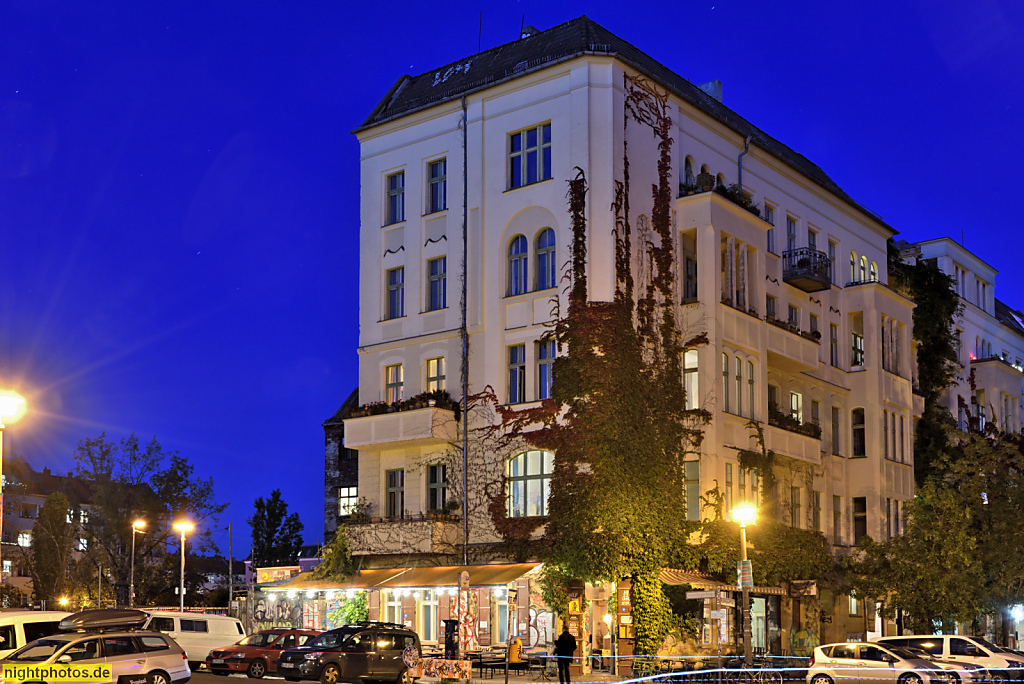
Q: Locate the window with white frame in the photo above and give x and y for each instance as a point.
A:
(394, 207)
(545, 366)
(437, 283)
(691, 474)
(437, 486)
(529, 156)
(832, 262)
(393, 382)
(769, 216)
(739, 386)
(812, 239)
(529, 483)
(859, 436)
(833, 344)
(794, 507)
(396, 293)
(516, 373)
(790, 233)
(518, 255)
(25, 539)
(691, 382)
(796, 406)
(437, 186)
(750, 389)
(394, 493)
(835, 431)
(392, 606)
(435, 374)
(546, 267)
(348, 499)
(429, 616)
(726, 406)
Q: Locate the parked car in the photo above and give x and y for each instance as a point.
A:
(857, 663)
(110, 637)
(368, 650)
(19, 627)
(257, 654)
(198, 633)
(966, 650)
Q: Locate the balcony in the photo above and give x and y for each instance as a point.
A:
(789, 348)
(429, 426)
(403, 537)
(806, 268)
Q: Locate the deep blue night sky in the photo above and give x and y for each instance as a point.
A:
(179, 188)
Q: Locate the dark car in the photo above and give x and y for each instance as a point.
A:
(368, 650)
(257, 654)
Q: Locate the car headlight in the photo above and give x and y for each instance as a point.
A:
(313, 655)
(237, 655)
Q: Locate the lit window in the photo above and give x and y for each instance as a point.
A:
(529, 483)
(517, 260)
(690, 380)
(393, 383)
(517, 373)
(546, 259)
(395, 208)
(396, 293)
(25, 539)
(348, 498)
(435, 374)
(529, 156)
(437, 186)
(874, 272)
(545, 366)
(437, 275)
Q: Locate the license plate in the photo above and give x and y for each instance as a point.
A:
(217, 661)
(286, 664)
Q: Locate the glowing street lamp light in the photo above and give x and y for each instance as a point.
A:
(136, 527)
(12, 407)
(183, 527)
(63, 601)
(745, 514)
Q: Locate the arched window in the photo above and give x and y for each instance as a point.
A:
(704, 169)
(720, 181)
(853, 267)
(517, 254)
(863, 269)
(689, 178)
(529, 483)
(859, 436)
(690, 380)
(546, 259)
(874, 272)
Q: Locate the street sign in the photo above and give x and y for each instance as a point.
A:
(718, 615)
(692, 595)
(726, 602)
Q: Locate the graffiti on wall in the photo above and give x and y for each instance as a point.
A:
(541, 630)
(283, 612)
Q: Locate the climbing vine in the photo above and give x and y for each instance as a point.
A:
(761, 461)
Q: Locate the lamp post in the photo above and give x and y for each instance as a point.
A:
(12, 406)
(745, 514)
(136, 527)
(182, 527)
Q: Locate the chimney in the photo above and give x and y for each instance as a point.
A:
(528, 31)
(712, 88)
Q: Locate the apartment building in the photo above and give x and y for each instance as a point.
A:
(806, 335)
(990, 340)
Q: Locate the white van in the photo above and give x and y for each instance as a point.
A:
(18, 627)
(1001, 663)
(197, 633)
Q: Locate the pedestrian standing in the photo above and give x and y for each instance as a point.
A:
(565, 647)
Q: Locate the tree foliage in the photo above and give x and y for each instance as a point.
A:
(53, 542)
(276, 533)
(337, 563)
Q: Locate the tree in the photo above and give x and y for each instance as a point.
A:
(337, 562)
(130, 480)
(53, 540)
(276, 534)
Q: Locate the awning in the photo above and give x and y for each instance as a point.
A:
(701, 581)
(433, 576)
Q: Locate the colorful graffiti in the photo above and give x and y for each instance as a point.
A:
(283, 612)
(444, 669)
(334, 617)
(467, 620)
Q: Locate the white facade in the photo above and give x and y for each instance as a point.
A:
(828, 484)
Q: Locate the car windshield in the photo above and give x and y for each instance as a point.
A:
(330, 639)
(259, 639)
(39, 650)
(982, 642)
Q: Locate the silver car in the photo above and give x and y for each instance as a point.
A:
(859, 663)
(132, 654)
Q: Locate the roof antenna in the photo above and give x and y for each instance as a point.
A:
(480, 34)
(522, 25)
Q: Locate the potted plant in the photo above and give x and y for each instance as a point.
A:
(705, 181)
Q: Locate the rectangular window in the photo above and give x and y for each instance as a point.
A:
(437, 487)
(750, 389)
(835, 430)
(903, 443)
(529, 156)
(393, 382)
(794, 507)
(816, 511)
(856, 349)
(545, 366)
(888, 518)
(739, 386)
(860, 519)
(895, 516)
(769, 307)
(833, 344)
(394, 211)
(742, 482)
(794, 316)
(726, 406)
(769, 216)
(796, 406)
(691, 471)
(394, 501)
(435, 374)
(429, 616)
(790, 233)
(437, 283)
(814, 323)
(815, 409)
(517, 373)
(728, 488)
(885, 434)
(396, 293)
(837, 520)
(754, 491)
(348, 497)
(812, 240)
(773, 398)
(689, 278)
(25, 539)
(691, 397)
(437, 186)
(854, 607)
(831, 262)
(859, 434)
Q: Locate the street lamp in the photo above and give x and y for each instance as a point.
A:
(136, 527)
(63, 601)
(182, 527)
(745, 514)
(12, 406)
